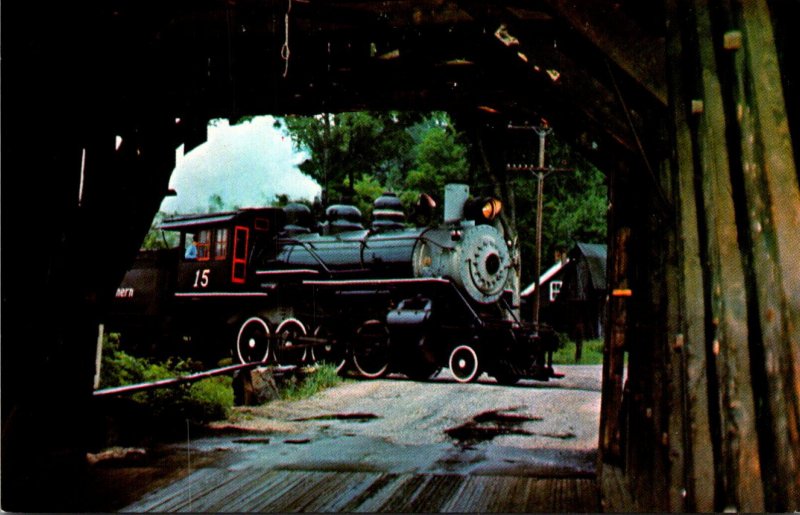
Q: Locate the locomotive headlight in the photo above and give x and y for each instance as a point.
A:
(483, 210)
(491, 209)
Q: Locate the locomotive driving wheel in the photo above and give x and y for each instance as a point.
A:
(288, 351)
(371, 349)
(464, 364)
(253, 341)
(331, 352)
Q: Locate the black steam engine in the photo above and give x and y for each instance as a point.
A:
(272, 287)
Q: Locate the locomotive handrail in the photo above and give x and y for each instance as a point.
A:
(312, 251)
(511, 311)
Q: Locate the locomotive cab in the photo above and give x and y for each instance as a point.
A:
(220, 248)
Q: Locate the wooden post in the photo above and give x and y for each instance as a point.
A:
(693, 476)
(738, 469)
(614, 350)
(772, 227)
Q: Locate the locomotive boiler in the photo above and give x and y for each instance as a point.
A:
(274, 288)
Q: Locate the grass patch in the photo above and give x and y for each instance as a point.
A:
(592, 353)
(295, 388)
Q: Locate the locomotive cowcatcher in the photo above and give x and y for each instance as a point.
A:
(268, 285)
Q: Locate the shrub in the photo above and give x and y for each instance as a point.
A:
(199, 402)
(210, 399)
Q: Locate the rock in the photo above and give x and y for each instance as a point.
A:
(115, 454)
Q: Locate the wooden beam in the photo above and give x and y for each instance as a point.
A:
(638, 52)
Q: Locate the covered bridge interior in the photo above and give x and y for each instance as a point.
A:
(689, 107)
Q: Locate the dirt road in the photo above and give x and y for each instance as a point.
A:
(563, 412)
(402, 432)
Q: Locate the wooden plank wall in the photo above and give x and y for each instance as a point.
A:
(710, 417)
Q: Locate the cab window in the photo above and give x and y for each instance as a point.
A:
(220, 243)
(204, 245)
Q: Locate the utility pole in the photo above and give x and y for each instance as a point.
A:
(541, 172)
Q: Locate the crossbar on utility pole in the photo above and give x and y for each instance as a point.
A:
(541, 173)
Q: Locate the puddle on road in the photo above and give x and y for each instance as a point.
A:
(487, 425)
(251, 440)
(297, 441)
(354, 417)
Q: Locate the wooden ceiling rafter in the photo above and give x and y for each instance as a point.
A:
(440, 54)
(603, 22)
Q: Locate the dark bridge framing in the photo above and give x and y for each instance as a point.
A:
(690, 107)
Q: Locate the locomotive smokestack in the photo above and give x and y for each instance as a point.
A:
(455, 196)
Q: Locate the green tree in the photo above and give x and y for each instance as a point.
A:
(357, 156)
(158, 239)
(574, 207)
(367, 189)
(439, 158)
(344, 146)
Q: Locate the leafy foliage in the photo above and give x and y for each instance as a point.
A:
(202, 401)
(411, 154)
(158, 239)
(575, 202)
(439, 158)
(344, 146)
(358, 156)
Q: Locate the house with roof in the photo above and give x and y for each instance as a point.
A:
(550, 283)
(573, 293)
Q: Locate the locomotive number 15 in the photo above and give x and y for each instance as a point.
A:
(201, 278)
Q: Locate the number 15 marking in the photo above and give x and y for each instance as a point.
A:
(201, 278)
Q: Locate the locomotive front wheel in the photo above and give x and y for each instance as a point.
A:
(464, 364)
(252, 342)
(330, 352)
(371, 349)
(288, 352)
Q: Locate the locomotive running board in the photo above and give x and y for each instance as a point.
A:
(370, 282)
(220, 294)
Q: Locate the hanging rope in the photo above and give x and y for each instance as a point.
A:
(285, 53)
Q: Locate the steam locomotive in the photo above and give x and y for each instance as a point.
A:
(270, 286)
